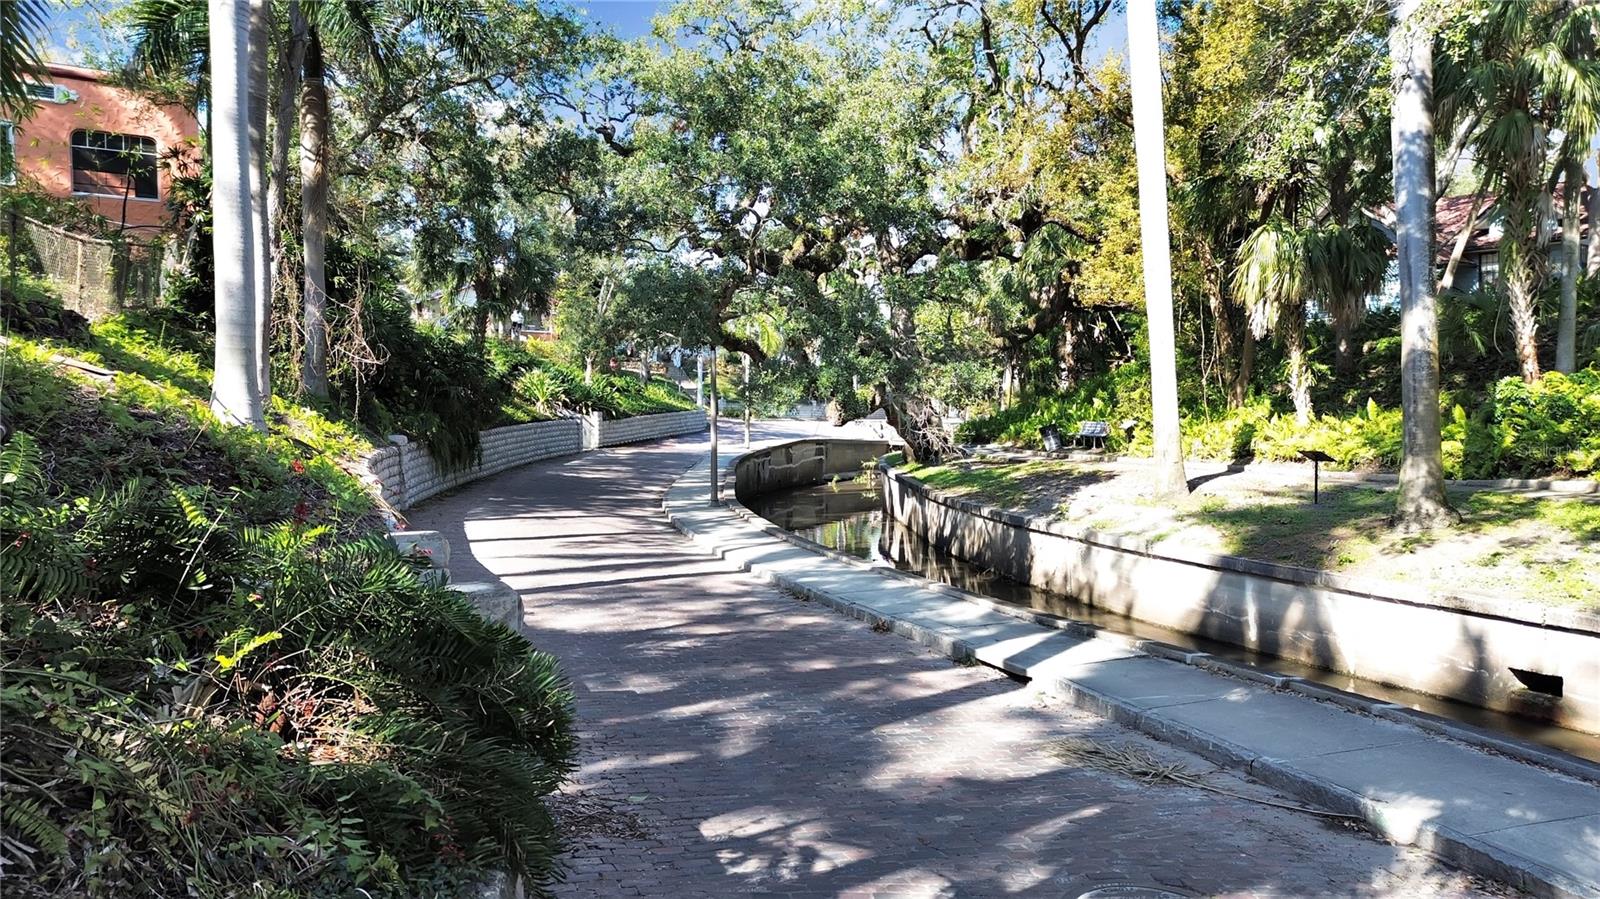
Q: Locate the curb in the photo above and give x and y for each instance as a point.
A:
(1462, 850)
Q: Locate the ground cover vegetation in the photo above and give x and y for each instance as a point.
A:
(929, 208)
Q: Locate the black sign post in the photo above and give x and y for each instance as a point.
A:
(1316, 458)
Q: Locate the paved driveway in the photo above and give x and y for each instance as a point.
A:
(737, 740)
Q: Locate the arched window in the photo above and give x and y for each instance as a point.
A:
(115, 165)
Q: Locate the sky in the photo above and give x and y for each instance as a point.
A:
(77, 38)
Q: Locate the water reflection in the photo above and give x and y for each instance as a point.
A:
(847, 516)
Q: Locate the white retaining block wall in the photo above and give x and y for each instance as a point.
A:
(407, 474)
(651, 427)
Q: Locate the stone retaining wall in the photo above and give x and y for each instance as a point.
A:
(406, 474)
(1461, 648)
(651, 427)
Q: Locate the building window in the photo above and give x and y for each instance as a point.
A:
(50, 93)
(1488, 270)
(8, 153)
(115, 165)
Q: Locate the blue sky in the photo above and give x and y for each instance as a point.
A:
(76, 36)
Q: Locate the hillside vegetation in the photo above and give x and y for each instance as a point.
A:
(219, 679)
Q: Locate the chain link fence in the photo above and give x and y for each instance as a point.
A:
(97, 277)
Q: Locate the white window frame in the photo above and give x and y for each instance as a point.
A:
(72, 169)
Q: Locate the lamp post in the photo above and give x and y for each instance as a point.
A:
(716, 476)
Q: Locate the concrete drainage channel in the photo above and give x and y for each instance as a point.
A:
(1413, 778)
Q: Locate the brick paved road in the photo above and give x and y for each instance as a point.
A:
(737, 740)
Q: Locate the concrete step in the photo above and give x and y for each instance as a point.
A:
(430, 544)
(493, 600)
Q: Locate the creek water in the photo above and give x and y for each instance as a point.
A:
(847, 516)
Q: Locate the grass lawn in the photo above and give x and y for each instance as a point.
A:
(1507, 545)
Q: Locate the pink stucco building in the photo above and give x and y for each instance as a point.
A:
(107, 146)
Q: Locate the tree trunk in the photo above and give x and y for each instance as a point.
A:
(644, 368)
(1521, 290)
(1299, 371)
(235, 391)
(1571, 249)
(480, 320)
(1420, 501)
(289, 65)
(1344, 348)
(1592, 269)
(1459, 251)
(918, 424)
(261, 263)
(1144, 66)
(746, 400)
(314, 217)
(1239, 386)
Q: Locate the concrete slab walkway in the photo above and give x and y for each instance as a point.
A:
(739, 740)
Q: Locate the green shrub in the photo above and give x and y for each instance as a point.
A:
(1520, 430)
(194, 706)
(1552, 425)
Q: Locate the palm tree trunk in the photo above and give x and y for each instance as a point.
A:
(289, 64)
(1420, 501)
(235, 392)
(482, 297)
(314, 217)
(1592, 269)
(1344, 348)
(261, 264)
(1239, 385)
(1294, 340)
(1517, 268)
(1567, 321)
(1144, 67)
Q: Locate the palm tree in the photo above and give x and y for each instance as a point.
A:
(1273, 280)
(1144, 66)
(1346, 262)
(1420, 502)
(236, 392)
(260, 40)
(1530, 67)
(291, 59)
(172, 39)
(355, 33)
(1571, 258)
(1592, 267)
(22, 24)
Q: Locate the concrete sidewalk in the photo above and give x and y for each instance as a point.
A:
(1524, 825)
